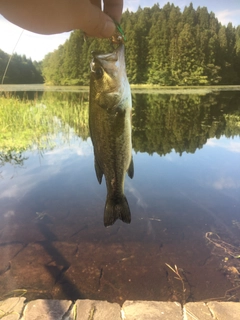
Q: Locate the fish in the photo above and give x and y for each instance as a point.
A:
(110, 124)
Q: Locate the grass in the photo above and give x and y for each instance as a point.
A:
(180, 278)
(34, 124)
(14, 293)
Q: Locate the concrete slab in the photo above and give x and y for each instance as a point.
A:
(225, 310)
(18, 309)
(47, 310)
(196, 310)
(11, 308)
(97, 310)
(151, 310)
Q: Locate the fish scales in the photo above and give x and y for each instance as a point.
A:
(110, 128)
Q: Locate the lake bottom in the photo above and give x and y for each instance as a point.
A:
(56, 254)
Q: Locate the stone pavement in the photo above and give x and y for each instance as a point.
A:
(19, 309)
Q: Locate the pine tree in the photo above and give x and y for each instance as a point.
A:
(164, 46)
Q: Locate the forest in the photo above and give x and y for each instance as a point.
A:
(20, 71)
(164, 47)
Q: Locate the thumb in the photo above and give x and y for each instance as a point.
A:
(96, 23)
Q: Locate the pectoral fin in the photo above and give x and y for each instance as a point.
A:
(130, 170)
(98, 171)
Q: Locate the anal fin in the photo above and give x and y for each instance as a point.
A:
(130, 169)
(98, 171)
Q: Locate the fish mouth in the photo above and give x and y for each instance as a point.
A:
(109, 60)
(113, 56)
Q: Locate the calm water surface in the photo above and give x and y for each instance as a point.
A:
(184, 200)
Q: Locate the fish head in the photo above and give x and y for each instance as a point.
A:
(109, 84)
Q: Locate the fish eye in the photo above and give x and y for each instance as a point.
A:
(98, 72)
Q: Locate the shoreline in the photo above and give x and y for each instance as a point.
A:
(136, 88)
(19, 309)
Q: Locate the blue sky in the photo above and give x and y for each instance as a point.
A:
(36, 46)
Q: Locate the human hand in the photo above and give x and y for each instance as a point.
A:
(55, 16)
(101, 23)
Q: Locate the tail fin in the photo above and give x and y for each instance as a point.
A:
(116, 208)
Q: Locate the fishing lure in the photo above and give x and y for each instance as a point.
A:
(119, 37)
(120, 30)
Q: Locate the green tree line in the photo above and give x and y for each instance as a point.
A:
(164, 46)
(20, 70)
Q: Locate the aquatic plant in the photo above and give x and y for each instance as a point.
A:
(180, 278)
(35, 124)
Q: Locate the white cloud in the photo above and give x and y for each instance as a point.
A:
(227, 15)
(27, 181)
(53, 164)
(137, 195)
(212, 142)
(131, 5)
(226, 183)
(234, 147)
(227, 144)
(11, 192)
(79, 147)
(169, 157)
(9, 213)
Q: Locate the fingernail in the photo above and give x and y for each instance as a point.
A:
(108, 29)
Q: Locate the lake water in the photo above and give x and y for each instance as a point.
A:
(184, 199)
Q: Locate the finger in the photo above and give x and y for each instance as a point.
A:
(114, 8)
(95, 22)
(97, 3)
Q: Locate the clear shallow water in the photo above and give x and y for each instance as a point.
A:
(186, 152)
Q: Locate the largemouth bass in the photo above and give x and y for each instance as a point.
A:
(110, 125)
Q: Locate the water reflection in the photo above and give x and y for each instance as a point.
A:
(183, 122)
(52, 240)
(161, 122)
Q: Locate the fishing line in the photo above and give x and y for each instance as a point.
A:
(11, 56)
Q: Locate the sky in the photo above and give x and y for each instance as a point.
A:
(36, 46)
